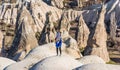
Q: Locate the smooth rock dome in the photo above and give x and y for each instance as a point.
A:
(57, 63)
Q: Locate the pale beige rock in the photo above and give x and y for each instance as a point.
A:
(57, 63)
(57, 3)
(64, 23)
(83, 33)
(72, 14)
(1, 42)
(70, 43)
(97, 44)
(38, 54)
(7, 16)
(25, 34)
(99, 66)
(9, 13)
(91, 59)
(40, 10)
(14, 16)
(28, 34)
(80, 3)
(4, 62)
(1, 39)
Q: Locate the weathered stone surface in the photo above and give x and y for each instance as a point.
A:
(91, 59)
(25, 35)
(4, 62)
(83, 33)
(40, 53)
(97, 41)
(57, 63)
(8, 13)
(58, 3)
(70, 43)
(1, 39)
(72, 14)
(48, 32)
(99, 66)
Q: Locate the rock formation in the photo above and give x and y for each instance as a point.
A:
(24, 34)
(48, 32)
(1, 42)
(97, 41)
(113, 26)
(1, 39)
(91, 59)
(83, 33)
(28, 23)
(8, 14)
(58, 3)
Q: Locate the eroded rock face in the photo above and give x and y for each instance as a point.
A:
(27, 26)
(48, 32)
(1, 39)
(8, 13)
(70, 42)
(72, 15)
(39, 11)
(58, 3)
(25, 35)
(97, 42)
(83, 33)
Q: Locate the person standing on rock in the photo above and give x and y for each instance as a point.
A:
(58, 42)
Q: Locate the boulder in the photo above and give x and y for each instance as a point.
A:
(91, 59)
(4, 62)
(99, 66)
(56, 63)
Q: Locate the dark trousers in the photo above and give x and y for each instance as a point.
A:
(58, 49)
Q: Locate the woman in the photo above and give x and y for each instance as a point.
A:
(58, 42)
